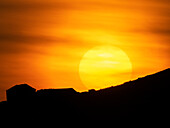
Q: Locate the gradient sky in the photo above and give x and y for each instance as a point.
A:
(43, 41)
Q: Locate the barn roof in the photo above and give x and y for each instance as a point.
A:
(21, 86)
(63, 91)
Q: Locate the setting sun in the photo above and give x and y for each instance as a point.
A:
(82, 44)
(84, 61)
(104, 66)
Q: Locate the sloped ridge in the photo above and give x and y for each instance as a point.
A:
(141, 99)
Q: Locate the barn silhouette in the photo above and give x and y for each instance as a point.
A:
(20, 93)
(140, 100)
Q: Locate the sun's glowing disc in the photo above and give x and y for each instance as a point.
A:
(104, 66)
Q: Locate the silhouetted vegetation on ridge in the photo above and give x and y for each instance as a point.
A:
(142, 99)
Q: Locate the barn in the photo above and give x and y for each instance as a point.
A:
(20, 93)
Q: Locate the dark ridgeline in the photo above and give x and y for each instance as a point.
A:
(140, 100)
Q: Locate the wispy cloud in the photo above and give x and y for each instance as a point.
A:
(45, 38)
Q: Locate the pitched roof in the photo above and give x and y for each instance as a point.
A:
(21, 86)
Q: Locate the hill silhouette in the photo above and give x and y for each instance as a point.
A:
(140, 100)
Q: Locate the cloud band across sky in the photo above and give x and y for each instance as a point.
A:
(42, 42)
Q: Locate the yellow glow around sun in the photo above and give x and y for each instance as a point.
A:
(104, 66)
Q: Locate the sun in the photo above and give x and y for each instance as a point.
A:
(104, 66)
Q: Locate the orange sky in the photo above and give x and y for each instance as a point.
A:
(43, 41)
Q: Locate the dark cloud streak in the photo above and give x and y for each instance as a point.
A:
(32, 6)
